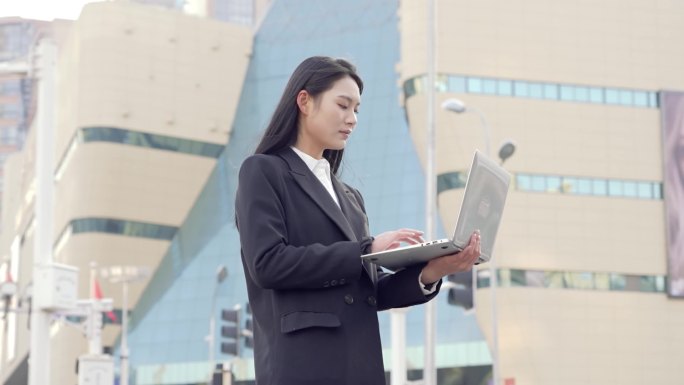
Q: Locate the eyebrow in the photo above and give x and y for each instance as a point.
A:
(349, 99)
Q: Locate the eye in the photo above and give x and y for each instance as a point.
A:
(342, 106)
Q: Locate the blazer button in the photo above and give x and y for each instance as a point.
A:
(372, 301)
(348, 299)
(333, 282)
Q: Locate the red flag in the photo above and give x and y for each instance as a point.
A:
(98, 295)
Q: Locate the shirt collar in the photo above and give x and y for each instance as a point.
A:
(311, 162)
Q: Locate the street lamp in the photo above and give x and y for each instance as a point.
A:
(124, 275)
(505, 152)
(457, 106)
(221, 275)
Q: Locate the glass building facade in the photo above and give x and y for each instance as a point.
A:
(171, 319)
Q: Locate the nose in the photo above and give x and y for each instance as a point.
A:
(351, 119)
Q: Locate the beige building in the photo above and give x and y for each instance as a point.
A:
(145, 99)
(581, 255)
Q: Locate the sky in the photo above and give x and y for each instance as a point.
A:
(42, 9)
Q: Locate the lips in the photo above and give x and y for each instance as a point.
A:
(346, 133)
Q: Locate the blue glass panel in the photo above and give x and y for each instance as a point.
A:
(658, 190)
(582, 94)
(615, 188)
(457, 84)
(156, 141)
(640, 99)
(612, 96)
(489, 86)
(538, 183)
(475, 85)
(122, 227)
(450, 180)
(551, 91)
(441, 83)
(553, 183)
(626, 97)
(536, 90)
(554, 280)
(523, 182)
(599, 187)
(653, 99)
(596, 95)
(505, 87)
(583, 186)
(645, 190)
(520, 89)
(630, 189)
(567, 93)
(569, 185)
(617, 282)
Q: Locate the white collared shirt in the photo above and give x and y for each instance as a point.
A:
(321, 169)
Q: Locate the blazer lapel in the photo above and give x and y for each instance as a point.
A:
(357, 219)
(313, 187)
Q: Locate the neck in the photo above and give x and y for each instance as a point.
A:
(309, 148)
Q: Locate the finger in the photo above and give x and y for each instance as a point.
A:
(393, 245)
(409, 237)
(412, 231)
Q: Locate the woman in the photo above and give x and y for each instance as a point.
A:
(302, 233)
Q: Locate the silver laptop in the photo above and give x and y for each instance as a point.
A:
(481, 209)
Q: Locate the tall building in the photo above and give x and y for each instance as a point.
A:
(16, 86)
(144, 101)
(160, 109)
(581, 257)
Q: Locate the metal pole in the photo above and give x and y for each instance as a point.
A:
(39, 348)
(398, 331)
(124, 334)
(485, 127)
(429, 369)
(94, 333)
(212, 329)
(493, 281)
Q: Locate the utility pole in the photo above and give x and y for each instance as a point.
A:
(39, 359)
(429, 370)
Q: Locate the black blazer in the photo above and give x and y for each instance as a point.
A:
(314, 304)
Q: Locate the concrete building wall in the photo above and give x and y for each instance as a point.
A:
(564, 335)
(144, 105)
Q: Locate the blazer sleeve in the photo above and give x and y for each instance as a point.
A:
(272, 262)
(402, 288)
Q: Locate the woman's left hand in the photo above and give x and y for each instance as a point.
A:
(454, 263)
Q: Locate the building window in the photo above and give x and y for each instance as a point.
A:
(535, 90)
(588, 186)
(121, 227)
(574, 280)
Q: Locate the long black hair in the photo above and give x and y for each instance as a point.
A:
(315, 75)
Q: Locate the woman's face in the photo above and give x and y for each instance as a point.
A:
(327, 121)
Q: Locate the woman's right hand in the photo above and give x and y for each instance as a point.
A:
(393, 239)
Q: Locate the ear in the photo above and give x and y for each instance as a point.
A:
(304, 102)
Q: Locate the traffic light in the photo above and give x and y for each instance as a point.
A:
(248, 333)
(231, 332)
(461, 292)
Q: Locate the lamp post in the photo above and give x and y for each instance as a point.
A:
(429, 368)
(124, 275)
(505, 152)
(221, 274)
